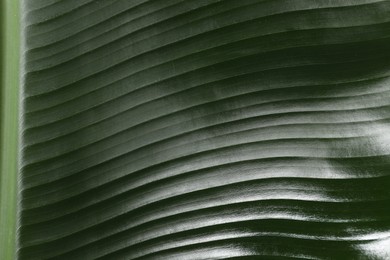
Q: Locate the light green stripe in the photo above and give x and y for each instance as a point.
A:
(10, 42)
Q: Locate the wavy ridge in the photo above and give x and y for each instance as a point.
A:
(205, 129)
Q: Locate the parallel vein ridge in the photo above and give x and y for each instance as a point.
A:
(205, 129)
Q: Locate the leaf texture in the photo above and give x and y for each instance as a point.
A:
(205, 129)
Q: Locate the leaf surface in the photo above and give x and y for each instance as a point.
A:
(205, 129)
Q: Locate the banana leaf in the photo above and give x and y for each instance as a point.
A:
(195, 129)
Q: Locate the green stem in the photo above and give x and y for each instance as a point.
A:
(10, 42)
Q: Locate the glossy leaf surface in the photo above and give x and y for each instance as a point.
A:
(205, 129)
